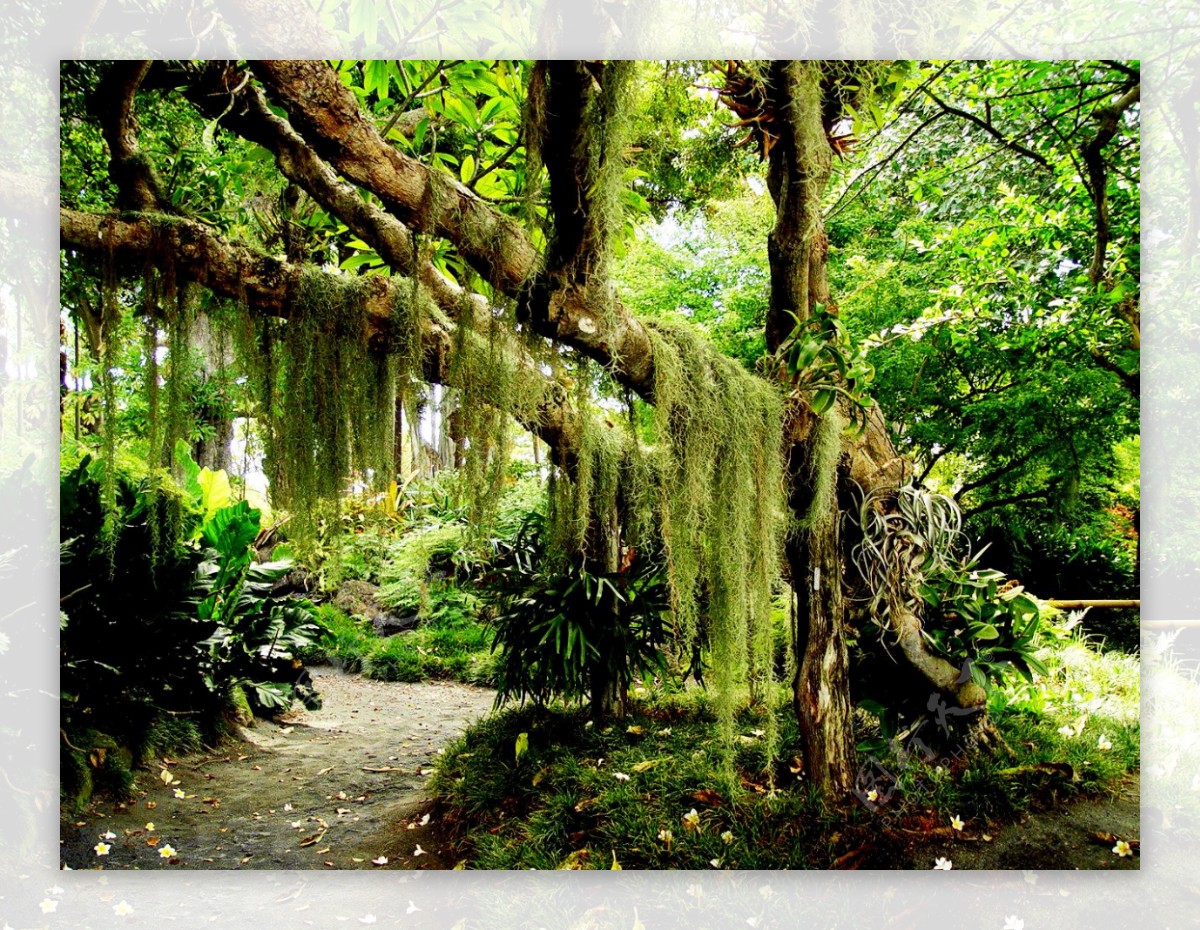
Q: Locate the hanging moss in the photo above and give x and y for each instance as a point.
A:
(825, 448)
(721, 503)
(110, 316)
(607, 122)
(328, 394)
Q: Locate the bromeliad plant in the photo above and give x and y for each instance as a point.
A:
(911, 558)
(565, 631)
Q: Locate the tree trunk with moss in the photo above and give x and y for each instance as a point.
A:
(799, 170)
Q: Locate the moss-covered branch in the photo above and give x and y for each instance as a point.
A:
(271, 286)
(327, 115)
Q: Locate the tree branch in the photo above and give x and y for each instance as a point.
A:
(1109, 119)
(1005, 501)
(270, 286)
(114, 105)
(1132, 381)
(327, 115)
(991, 130)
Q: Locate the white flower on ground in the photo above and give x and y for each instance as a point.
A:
(122, 909)
(48, 906)
(620, 776)
(691, 820)
(666, 836)
(411, 907)
(727, 837)
(1122, 849)
(167, 851)
(102, 849)
(150, 827)
(179, 793)
(872, 795)
(1104, 744)
(381, 860)
(943, 864)
(715, 863)
(1013, 923)
(418, 851)
(956, 822)
(1066, 730)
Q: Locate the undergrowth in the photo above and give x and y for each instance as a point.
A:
(450, 643)
(548, 790)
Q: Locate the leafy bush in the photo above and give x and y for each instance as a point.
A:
(450, 643)
(564, 631)
(164, 616)
(257, 636)
(405, 577)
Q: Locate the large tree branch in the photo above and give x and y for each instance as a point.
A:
(114, 104)
(270, 286)
(218, 91)
(327, 115)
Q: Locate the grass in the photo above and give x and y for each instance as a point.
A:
(562, 801)
(450, 643)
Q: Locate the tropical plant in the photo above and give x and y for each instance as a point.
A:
(565, 630)
(257, 635)
(911, 558)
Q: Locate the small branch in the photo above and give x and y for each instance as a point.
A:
(1132, 381)
(1005, 501)
(498, 163)
(990, 130)
(996, 474)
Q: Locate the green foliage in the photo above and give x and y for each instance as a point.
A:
(973, 615)
(910, 556)
(563, 795)
(451, 643)
(255, 635)
(564, 630)
(126, 631)
(405, 576)
(822, 363)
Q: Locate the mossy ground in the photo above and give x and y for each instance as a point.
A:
(448, 644)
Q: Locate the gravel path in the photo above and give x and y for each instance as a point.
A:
(338, 788)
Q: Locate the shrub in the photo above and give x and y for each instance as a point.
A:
(564, 631)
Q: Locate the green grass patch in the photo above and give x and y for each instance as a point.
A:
(546, 789)
(450, 643)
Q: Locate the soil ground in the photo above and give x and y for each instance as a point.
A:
(336, 788)
(1055, 839)
(344, 788)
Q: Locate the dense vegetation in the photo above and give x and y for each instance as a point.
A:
(757, 406)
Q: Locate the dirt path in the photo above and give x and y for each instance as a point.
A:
(1054, 839)
(336, 788)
